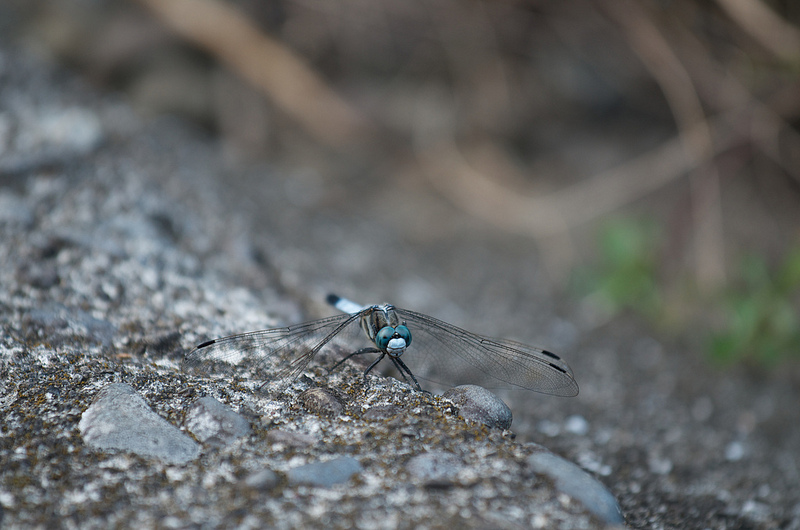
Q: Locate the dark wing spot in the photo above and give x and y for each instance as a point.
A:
(551, 354)
(557, 368)
(206, 343)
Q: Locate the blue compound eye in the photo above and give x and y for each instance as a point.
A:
(404, 333)
(384, 336)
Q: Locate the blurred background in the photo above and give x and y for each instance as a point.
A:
(618, 181)
(643, 157)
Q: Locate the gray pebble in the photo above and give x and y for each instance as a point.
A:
(382, 412)
(263, 479)
(71, 321)
(321, 402)
(477, 404)
(47, 135)
(120, 419)
(326, 473)
(13, 210)
(435, 468)
(215, 423)
(578, 484)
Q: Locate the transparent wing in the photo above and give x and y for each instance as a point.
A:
(278, 355)
(452, 354)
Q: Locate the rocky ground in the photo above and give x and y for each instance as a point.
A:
(125, 244)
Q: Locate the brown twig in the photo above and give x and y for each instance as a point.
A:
(266, 63)
(768, 125)
(555, 213)
(765, 26)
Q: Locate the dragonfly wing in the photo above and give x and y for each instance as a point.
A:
(451, 351)
(279, 354)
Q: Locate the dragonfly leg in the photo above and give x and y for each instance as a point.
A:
(403, 369)
(359, 352)
(366, 382)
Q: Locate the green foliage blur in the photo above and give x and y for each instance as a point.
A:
(625, 276)
(755, 319)
(761, 321)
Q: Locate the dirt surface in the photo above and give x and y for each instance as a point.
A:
(680, 443)
(118, 258)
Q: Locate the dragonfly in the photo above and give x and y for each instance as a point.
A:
(281, 355)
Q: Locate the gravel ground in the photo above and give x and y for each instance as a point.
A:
(125, 244)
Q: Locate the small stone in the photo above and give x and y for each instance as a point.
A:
(325, 474)
(49, 135)
(263, 479)
(576, 424)
(321, 402)
(120, 419)
(381, 412)
(435, 468)
(215, 423)
(478, 405)
(13, 210)
(659, 465)
(734, 451)
(71, 321)
(578, 484)
(548, 428)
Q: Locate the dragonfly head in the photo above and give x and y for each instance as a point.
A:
(393, 341)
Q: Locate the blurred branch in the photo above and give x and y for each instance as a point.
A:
(657, 56)
(553, 214)
(767, 131)
(765, 26)
(479, 188)
(769, 125)
(266, 63)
